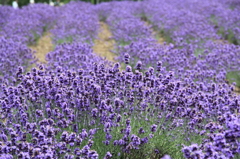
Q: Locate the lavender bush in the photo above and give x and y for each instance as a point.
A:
(13, 54)
(77, 23)
(28, 22)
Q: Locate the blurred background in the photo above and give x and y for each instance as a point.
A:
(26, 2)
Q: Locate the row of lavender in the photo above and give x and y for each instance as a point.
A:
(35, 106)
(122, 37)
(22, 27)
(201, 27)
(77, 22)
(74, 32)
(194, 21)
(18, 28)
(134, 38)
(209, 67)
(78, 107)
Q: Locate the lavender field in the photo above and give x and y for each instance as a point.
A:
(153, 79)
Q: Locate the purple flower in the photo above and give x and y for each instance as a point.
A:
(128, 121)
(166, 157)
(141, 131)
(108, 155)
(92, 155)
(153, 128)
(144, 140)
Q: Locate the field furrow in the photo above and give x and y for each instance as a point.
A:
(43, 46)
(104, 44)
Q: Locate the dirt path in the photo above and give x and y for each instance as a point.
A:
(155, 34)
(104, 45)
(43, 46)
(237, 90)
(159, 38)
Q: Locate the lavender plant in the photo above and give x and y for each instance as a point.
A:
(28, 22)
(13, 54)
(77, 23)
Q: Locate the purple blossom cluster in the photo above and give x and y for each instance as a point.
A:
(124, 25)
(222, 140)
(27, 23)
(225, 16)
(5, 11)
(18, 28)
(212, 65)
(182, 25)
(72, 57)
(13, 54)
(49, 108)
(210, 62)
(194, 21)
(77, 22)
(200, 60)
(51, 113)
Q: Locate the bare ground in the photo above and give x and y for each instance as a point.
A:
(104, 44)
(155, 34)
(43, 46)
(160, 40)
